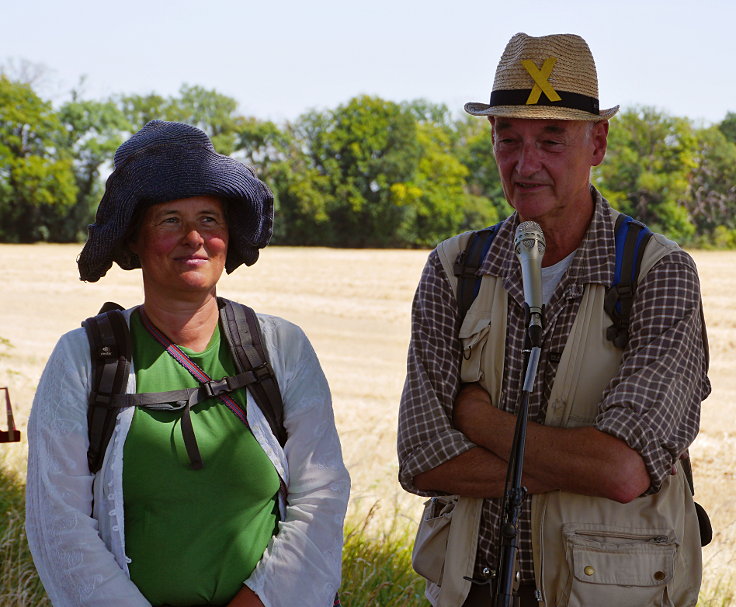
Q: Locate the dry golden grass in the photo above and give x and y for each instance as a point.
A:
(354, 305)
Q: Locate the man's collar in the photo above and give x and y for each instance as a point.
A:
(593, 262)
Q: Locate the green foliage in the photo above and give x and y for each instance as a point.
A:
(647, 169)
(364, 150)
(475, 150)
(141, 109)
(369, 173)
(208, 110)
(37, 182)
(728, 127)
(712, 200)
(94, 130)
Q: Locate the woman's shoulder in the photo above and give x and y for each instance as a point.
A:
(279, 327)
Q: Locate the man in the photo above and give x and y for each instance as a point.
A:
(611, 519)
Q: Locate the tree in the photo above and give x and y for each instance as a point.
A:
(437, 199)
(37, 182)
(712, 203)
(647, 169)
(361, 152)
(210, 111)
(138, 110)
(487, 203)
(94, 130)
(728, 127)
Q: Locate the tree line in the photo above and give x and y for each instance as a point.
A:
(368, 173)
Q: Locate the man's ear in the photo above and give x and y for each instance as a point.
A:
(599, 137)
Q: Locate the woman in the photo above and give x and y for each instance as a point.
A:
(149, 527)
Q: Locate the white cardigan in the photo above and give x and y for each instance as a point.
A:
(81, 558)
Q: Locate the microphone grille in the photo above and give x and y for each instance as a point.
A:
(527, 234)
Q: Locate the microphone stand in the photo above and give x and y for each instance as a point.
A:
(514, 492)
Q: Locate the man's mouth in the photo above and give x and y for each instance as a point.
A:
(527, 185)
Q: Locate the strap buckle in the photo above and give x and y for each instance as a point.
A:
(262, 371)
(217, 387)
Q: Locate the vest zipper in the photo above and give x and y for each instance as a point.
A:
(655, 539)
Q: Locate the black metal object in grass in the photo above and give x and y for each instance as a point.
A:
(11, 435)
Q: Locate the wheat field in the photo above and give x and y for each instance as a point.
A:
(354, 305)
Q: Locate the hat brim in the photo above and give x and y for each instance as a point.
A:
(171, 173)
(537, 112)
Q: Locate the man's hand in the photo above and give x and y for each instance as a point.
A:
(477, 472)
(581, 460)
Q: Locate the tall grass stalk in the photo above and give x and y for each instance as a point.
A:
(19, 582)
(376, 564)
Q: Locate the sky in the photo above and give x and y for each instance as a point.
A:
(280, 59)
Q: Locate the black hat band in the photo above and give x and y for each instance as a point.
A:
(574, 101)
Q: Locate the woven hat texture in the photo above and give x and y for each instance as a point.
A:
(167, 161)
(546, 77)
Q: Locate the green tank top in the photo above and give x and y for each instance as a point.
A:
(193, 536)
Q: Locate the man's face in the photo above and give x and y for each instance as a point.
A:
(545, 165)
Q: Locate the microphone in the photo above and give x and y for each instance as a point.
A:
(529, 246)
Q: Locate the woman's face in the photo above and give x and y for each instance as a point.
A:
(182, 246)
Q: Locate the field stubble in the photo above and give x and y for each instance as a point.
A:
(354, 305)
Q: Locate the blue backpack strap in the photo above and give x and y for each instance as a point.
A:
(467, 265)
(631, 239)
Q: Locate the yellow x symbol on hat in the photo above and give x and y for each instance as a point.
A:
(541, 84)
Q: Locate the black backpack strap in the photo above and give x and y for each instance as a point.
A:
(110, 353)
(467, 265)
(243, 334)
(631, 239)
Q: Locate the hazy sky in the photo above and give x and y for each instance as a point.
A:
(279, 59)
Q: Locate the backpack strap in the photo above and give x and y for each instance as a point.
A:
(631, 239)
(243, 334)
(110, 353)
(467, 264)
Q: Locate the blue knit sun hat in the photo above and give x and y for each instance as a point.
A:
(167, 161)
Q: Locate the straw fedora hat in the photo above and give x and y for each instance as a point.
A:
(547, 77)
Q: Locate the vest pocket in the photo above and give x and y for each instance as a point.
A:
(617, 565)
(473, 338)
(430, 545)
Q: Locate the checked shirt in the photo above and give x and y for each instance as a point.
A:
(652, 404)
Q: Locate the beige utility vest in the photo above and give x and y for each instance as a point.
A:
(586, 550)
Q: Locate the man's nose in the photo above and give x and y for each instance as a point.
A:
(529, 160)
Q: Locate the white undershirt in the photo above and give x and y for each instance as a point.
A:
(551, 276)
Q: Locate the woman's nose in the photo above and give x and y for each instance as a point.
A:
(192, 236)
